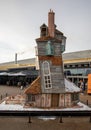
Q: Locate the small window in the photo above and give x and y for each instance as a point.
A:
(62, 48)
(31, 98)
(47, 81)
(49, 48)
(75, 97)
(63, 44)
(44, 30)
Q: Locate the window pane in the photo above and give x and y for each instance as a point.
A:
(48, 81)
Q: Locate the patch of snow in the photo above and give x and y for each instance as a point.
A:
(71, 87)
(12, 107)
(46, 118)
(3, 102)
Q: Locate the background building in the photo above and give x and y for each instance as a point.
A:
(77, 65)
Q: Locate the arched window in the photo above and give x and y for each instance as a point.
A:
(46, 74)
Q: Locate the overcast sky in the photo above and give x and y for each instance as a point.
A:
(20, 22)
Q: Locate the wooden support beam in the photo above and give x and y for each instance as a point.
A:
(29, 121)
(61, 121)
(90, 119)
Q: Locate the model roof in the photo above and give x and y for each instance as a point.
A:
(35, 87)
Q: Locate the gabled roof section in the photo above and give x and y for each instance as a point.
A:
(58, 32)
(43, 26)
(34, 88)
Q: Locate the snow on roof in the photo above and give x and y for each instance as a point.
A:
(16, 74)
(71, 87)
(35, 87)
(12, 74)
(3, 73)
(9, 107)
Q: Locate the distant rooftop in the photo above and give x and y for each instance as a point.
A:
(72, 56)
(77, 55)
(25, 61)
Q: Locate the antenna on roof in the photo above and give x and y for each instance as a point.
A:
(15, 58)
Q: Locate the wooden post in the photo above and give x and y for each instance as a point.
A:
(29, 121)
(61, 121)
(90, 119)
(87, 102)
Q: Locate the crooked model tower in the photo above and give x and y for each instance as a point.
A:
(51, 89)
(51, 45)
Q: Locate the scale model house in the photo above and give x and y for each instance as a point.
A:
(51, 89)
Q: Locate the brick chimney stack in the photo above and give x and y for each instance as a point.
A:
(51, 25)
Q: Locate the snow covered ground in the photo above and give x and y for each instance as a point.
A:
(11, 107)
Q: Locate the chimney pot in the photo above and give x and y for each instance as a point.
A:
(51, 25)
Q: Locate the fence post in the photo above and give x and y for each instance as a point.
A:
(90, 119)
(87, 102)
(61, 121)
(29, 121)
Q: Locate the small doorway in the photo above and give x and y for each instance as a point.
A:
(55, 100)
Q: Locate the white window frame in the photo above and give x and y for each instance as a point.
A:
(47, 77)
